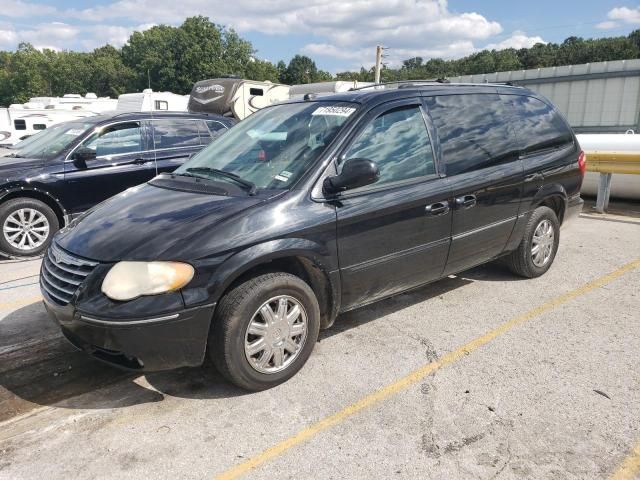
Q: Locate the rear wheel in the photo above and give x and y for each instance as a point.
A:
(264, 330)
(26, 227)
(539, 244)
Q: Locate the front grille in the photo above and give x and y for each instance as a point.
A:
(62, 273)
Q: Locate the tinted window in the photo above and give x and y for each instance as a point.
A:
(473, 130)
(537, 125)
(215, 129)
(20, 124)
(397, 141)
(39, 126)
(172, 133)
(115, 139)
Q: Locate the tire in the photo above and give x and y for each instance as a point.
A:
(46, 223)
(231, 339)
(522, 261)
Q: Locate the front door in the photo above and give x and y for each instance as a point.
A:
(108, 162)
(395, 233)
(481, 160)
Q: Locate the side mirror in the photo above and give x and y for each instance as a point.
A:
(356, 172)
(82, 155)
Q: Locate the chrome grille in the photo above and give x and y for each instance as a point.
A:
(62, 273)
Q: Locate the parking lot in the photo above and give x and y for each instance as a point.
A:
(481, 375)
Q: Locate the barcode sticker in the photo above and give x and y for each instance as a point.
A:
(336, 111)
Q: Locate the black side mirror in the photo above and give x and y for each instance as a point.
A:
(82, 155)
(356, 172)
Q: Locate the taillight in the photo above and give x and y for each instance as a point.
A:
(582, 163)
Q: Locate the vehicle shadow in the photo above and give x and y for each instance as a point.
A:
(39, 367)
(375, 311)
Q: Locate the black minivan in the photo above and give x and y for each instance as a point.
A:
(307, 209)
(55, 175)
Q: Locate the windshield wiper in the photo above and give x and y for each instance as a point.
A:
(223, 173)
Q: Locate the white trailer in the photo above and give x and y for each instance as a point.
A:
(148, 100)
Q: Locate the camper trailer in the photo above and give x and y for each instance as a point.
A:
(21, 120)
(235, 97)
(148, 101)
(238, 98)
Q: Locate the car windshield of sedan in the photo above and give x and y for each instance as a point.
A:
(273, 147)
(50, 142)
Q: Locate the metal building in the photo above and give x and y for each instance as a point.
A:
(600, 97)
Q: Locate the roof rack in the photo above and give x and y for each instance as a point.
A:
(437, 81)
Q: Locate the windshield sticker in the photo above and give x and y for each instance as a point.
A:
(335, 111)
(74, 131)
(285, 174)
(281, 178)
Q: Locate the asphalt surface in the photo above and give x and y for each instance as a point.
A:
(481, 375)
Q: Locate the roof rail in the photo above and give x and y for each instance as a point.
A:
(437, 81)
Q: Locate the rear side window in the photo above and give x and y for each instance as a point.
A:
(473, 130)
(175, 133)
(537, 125)
(397, 141)
(215, 129)
(20, 124)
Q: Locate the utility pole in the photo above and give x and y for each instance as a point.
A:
(379, 49)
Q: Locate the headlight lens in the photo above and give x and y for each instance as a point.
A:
(129, 280)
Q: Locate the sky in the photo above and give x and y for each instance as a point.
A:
(337, 35)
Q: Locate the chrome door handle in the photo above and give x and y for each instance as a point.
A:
(438, 208)
(466, 201)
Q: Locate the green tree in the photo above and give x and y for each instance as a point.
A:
(301, 69)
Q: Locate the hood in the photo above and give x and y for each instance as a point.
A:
(11, 166)
(149, 223)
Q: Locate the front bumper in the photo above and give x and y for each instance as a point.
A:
(574, 208)
(145, 344)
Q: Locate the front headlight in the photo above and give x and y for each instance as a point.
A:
(129, 280)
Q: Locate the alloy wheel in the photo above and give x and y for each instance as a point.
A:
(26, 229)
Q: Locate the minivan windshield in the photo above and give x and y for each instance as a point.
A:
(273, 147)
(50, 142)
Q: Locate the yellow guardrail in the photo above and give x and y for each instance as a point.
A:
(613, 162)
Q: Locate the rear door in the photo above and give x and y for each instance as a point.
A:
(176, 139)
(481, 161)
(547, 146)
(395, 233)
(122, 160)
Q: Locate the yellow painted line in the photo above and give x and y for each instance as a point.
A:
(19, 303)
(416, 376)
(630, 468)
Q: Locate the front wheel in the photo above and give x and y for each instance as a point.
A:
(539, 244)
(27, 226)
(264, 330)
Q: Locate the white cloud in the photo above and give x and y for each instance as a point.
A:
(625, 14)
(607, 25)
(18, 8)
(8, 37)
(517, 40)
(616, 17)
(53, 35)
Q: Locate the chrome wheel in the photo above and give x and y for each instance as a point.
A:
(542, 243)
(276, 334)
(26, 229)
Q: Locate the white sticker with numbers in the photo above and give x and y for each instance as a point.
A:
(334, 110)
